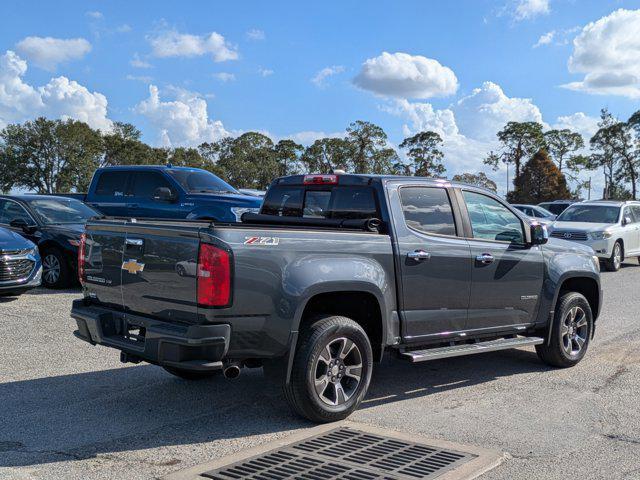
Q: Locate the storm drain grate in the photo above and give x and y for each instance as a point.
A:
(345, 453)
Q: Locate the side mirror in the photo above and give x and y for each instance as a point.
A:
(626, 221)
(539, 234)
(22, 224)
(163, 194)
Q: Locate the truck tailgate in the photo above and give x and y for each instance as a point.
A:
(144, 268)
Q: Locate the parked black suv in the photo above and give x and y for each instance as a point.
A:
(54, 224)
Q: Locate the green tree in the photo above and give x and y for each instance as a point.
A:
(520, 140)
(247, 161)
(480, 179)
(49, 156)
(604, 146)
(423, 149)
(562, 145)
(540, 181)
(122, 146)
(327, 154)
(287, 156)
(368, 141)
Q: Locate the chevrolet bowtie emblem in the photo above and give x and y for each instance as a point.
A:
(132, 266)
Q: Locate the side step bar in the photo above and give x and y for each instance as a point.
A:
(469, 349)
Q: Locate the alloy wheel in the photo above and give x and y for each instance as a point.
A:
(51, 269)
(574, 331)
(617, 256)
(338, 371)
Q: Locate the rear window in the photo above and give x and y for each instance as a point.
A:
(112, 184)
(338, 202)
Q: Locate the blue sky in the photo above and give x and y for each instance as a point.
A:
(225, 67)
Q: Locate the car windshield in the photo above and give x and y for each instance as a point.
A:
(200, 181)
(544, 213)
(590, 214)
(59, 210)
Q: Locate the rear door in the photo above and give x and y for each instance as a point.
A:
(634, 227)
(507, 275)
(158, 270)
(109, 193)
(434, 262)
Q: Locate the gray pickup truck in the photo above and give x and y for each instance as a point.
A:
(332, 273)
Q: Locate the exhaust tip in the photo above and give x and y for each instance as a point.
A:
(232, 371)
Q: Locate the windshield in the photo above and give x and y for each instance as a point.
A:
(58, 210)
(590, 214)
(544, 213)
(201, 181)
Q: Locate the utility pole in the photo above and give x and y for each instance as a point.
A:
(589, 194)
(507, 178)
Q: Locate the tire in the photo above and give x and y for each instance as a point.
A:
(613, 263)
(56, 272)
(325, 385)
(181, 271)
(571, 329)
(192, 374)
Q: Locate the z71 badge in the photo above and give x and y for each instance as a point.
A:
(267, 241)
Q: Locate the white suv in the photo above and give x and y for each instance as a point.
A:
(611, 228)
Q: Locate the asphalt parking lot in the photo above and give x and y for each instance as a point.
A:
(70, 410)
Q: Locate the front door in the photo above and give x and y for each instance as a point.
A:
(507, 275)
(435, 264)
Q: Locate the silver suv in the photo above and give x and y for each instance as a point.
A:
(611, 228)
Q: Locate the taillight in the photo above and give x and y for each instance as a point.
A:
(320, 179)
(81, 257)
(214, 276)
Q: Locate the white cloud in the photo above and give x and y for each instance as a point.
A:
(224, 76)
(528, 9)
(607, 52)
(545, 39)
(94, 14)
(140, 78)
(124, 28)
(48, 52)
(265, 72)
(59, 98)
(406, 76)
(181, 121)
(255, 34)
(487, 109)
(322, 75)
(137, 62)
(580, 122)
(171, 43)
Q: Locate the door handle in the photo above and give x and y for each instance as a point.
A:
(134, 242)
(132, 205)
(419, 255)
(485, 258)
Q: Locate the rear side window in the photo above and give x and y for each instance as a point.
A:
(146, 183)
(329, 202)
(428, 210)
(112, 184)
(635, 210)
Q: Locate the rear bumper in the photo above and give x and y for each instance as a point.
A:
(191, 347)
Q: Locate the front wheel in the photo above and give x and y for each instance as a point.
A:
(331, 370)
(56, 272)
(570, 332)
(614, 262)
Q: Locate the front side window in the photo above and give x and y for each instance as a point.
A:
(590, 214)
(428, 210)
(10, 211)
(491, 220)
(146, 183)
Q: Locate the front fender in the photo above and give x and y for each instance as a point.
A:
(211, 212)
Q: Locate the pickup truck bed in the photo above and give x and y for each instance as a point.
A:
(317, 302)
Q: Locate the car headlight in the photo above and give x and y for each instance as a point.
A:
(599, 235)
(238, 211)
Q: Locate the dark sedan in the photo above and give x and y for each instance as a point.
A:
(54, 224)
(20, 267)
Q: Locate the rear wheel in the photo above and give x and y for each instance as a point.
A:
(570, 332)
(192, 374)
(56, 272)
(331, 370)
(614, 262)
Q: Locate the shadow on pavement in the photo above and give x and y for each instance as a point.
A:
(75, 417)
